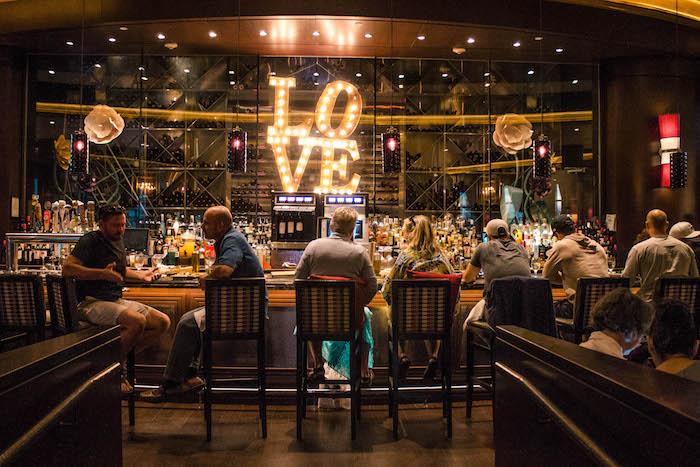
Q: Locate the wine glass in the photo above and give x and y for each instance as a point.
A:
(157, 260)
(209, 261)
(139, 261)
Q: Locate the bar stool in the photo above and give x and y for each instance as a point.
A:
(588, 291)
(235, 310)
(22, 306)
(326, 310)
(685, 289)
(522, 301)
(420, 309)
(63, 304)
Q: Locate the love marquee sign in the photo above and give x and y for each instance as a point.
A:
(332, 139)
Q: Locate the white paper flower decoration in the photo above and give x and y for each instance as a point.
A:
(513, 133)
(103, 124)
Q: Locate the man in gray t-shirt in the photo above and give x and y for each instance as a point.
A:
(499, 257)
(659, 256)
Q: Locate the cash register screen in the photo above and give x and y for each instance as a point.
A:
(358, 230)
(136, 239)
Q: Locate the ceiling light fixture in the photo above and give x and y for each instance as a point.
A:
(445, 75)
(574, 81)
(538, 38)
(400, 86)
(487, 74)
(358, 74)
(368, 35)
(315, 83)
(516, 44)
(71, 43)
(530, 72)
(112, 39)
(471, 40)
(488, 85)
(123, 28)
(51, 72)
(145, 78)
(402, 76)
(52, 122)
(97, 65)
(231, 72)
(212, 34)
(160, 36)
(231, 83)
(315, 33)
(272, 73)
(262, 33)
(186, 70)
(420, 37)
(316, 73)
(558, 50)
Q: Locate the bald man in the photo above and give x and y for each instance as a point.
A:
(234, 258)
(659, 256)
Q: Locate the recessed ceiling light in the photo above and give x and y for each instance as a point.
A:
(445, 75)
(488, 85)
(368, 35)
(400, 86)
(186, 70)
(315, 73)
(52, 122)
(71, 43)
(212, 34)
(315, 33)
(123, 28)
(231, 83)
(530, 72)
(262, 33)
(516, 44)
(487, 74)
(141, 68)
(420, 37)
(315, 83)
(145, 78)
(51, 72)
(574, 81)
(446, 150)
(402, 76)
(160, 36)
(471, 40)
(112, 39)
(97, 65)
(272, 73)
(231, 72)
(576, 130)
(558, 50)
(538, 38)
(358, 74)
(458, 50)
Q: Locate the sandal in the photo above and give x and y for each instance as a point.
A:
(430, 370)
(126, 386)
(161, 393)
(404, 365)
(366, 381)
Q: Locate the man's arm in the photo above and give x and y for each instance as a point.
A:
(631, 266)
(303, 270)
(368, 275)
(470, 273)
(149, 275)
(73, 267)
(552, 267)
(693, 265)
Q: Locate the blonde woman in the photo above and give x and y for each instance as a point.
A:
(421, 254)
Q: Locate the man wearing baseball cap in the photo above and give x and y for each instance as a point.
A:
(685, 232)
(572, 256)
(499, 257)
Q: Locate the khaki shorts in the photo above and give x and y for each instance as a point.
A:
(104, 312)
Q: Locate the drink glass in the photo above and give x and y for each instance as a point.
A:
(139, 261)
(157, 260)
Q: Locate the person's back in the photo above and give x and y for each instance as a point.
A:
(659, 256)
(501, 257)
(573, 257)
(412, 260)
(672, 340)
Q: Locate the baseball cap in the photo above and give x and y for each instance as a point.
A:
(563, 224)
(683, 230)
(497, 228)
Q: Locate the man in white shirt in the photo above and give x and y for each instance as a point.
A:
(659, 256)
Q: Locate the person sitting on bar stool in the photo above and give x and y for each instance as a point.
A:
(421, 254)
(499, 257)
(573, 256)
(672, 340)
(621, 319)
(235, 258)
(685, 232)
(659, 256)
(98, 263)
(339, 256)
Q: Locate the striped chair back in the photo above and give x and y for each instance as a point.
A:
(63, 303)
(235, 307)
(22, 303)
(421, 309)
(325, 309)
(685, 289)
(588, 291)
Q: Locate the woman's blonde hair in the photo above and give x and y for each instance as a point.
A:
(423, 241)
